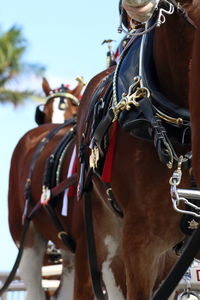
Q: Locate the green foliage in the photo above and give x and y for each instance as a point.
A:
(12, 49)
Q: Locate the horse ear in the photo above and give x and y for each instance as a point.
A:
(77, 90)
(45, 86)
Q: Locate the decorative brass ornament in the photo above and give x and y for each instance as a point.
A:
(94, 157)
(135, 92)
(193, 224)
(45, 196)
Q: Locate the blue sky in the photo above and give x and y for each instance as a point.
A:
(66, 37)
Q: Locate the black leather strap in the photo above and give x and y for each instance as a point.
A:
(180, 268)
(38, 150)
(62, 234)
(18, 258)
(95, 273)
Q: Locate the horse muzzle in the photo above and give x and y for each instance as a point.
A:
(139, 10)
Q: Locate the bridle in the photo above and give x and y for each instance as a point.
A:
(162, 8)
(74, 100)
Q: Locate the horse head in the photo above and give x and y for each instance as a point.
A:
(61, 103)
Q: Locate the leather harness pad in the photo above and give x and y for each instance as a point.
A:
(134, 120)
(39, 115)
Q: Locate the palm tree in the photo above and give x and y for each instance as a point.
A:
(12, 48)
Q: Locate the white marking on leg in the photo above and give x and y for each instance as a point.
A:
(114, 291)
(66, 289)
(30, 268)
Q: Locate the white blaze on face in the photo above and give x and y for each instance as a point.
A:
(140, 10)
(114, 291)
(58, 114)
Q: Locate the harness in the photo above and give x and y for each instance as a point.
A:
(145, 113)
(46, 186)
(53, 191)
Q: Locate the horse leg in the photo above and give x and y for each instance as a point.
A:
(140, 260)
(113, 271)
(31, 264)
(66, 288)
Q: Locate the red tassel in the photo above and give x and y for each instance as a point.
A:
(72, 189)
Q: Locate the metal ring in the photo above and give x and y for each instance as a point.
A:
(60, 234)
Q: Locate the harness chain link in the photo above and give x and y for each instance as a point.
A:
(187, 290)
(178, 195)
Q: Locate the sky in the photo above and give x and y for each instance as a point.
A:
(65, 36)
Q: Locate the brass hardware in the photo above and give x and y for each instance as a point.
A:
(45, 196)
(193, 224)
(177, 121)
(60, 234)
(80, 79)
(134, 92)
(94, 157)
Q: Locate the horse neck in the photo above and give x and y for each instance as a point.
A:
(194, 105)
(172, 55)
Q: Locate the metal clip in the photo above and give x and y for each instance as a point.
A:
(45, 196)
(94, 157)
(178, 195)
(161, 17)
(186, 295)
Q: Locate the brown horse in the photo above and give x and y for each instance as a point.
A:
(194, 104)
(134, 252)
(28, 166)
(60, 103)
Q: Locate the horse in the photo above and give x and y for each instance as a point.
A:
(29, 171)
(134, 247)
(193, 102)
(58, 107)
(120, 167)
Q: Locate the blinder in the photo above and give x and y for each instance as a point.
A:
(39, 114)
(62, 104)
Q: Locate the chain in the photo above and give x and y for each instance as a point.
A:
(174, 181)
